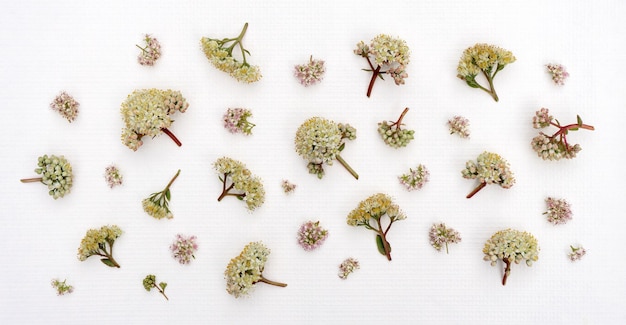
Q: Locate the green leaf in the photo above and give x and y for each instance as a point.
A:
(163, 285)
(240, 198)
(168, 194)
(579, 120)
(381, 76)
(572, 129)
(108, 262)
(381, 246)
(471, 82)
(343, 145)
(221, 179)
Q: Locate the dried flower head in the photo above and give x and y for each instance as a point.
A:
(157, 204)
(441, 235)
(577, 253)
(348, 266)
(460, 126)
(96, 242)
(56, 173)
(511, 246)
(249, 187)
(415, 178)
(245, 270)
(62, 287)
(369, 214)
(311, 235)
(558, 72)
(555, 147)
(320, 141)
(310, 73)
(150, 52)
(489, 168)
(485, 58)
(236, 121)
(66, 105)
(288, 187)
(559, 211)
(149, 282)
(393, 134)
(113, 176)
(220, 54)
(147, 112)
(183, 248)
(391, 55)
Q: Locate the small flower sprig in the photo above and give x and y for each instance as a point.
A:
(113, 176)
(245, 270)
(288, 187)
(149, 282)
(511, 246)
(157, 204)
(311, 235)
(147, 112)
(62, 287)
(150, 52)
(369, 214)
(96, 241)
(393, 134)
(577, 253)
(490, 168)
(459, 125)
(183, 248)
(391, 55)
(249, 188)
(236, 121)
(559, 211)
(440, 234)
(555, 147)
(66, 105)
(416, 178)
(56, 173)
(486, 59)
(348, 266)
(558, 72)
(220, 54)
(320, 141)
(310, 73)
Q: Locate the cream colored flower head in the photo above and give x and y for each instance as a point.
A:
(318, 140)
(483, 57)
(490, 168)
(513, 245)
(375, 207)
(387, 50)
(246, 269)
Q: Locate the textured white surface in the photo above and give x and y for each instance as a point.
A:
(89, 51)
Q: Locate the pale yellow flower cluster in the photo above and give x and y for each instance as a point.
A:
(490, 168)
(513, 245)
(485, 57)
(221, 59)
(246, 269)
(318, 140)
(375, 207)
(153, 207)
(96, 239)
(249, 185)
(387, 49)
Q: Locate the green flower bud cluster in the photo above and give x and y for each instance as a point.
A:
(56, 173)
(393, 135)
(149, 282)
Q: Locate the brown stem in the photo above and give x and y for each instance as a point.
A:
(225, 191)
(31, 180)
(274, 283)
(507, 270)
(172, 181)
(345, 164)
(398, 123)
(172, 136)
(161, 291)
(478, 188)
(375, 74)
(382, 234)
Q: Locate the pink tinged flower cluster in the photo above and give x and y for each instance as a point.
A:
(288, 187)
(113, 176)
(183, 248)
(236, 121)
(577, 253)
(459, 125)
(558, 72)
(416, 178)
(348, 266)
(559, 211)
(311, 235)
(150, 52)
(62, 287)
(440, 236)
(66, 105)
(311, 72)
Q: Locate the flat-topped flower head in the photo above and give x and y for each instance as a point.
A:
(56, 174)
(486, 59)
(320, 141)
(511, 246)
(555, 146)
(558, 72)
(150, 52)
(577, 253)
(440, 236)
(113, 176)
(100, 242)
(311, 235)
(348, 266)
(385, 55)
(66, 105)
(157, 204)
(459, 125)
(236, 121)
(149, 282)
(246, 186)
(393, 134)
(220, 54)
(62, 287)
(183, 248)
(489, 168)
(559, 211)
(311, 72)
(245, 270)
(416, 178)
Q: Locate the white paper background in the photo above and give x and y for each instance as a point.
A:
(89, 51)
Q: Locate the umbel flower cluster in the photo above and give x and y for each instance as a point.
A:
(489, 168)
(236, 121)
(248, 187)
(486, 59)
(113, 176)
(348, 266)
(511, 246)
(157, 204)
(415, 178)
(459, 125)
(389, 55)
(369, 214)
(441, 235)
(183, 248)
(149, 282)
(393, 134)
(100, 242)
(577, 253)
(311, 235)
(245, 270)
(555, 146)
(559, 211)
(320, 141)
(62, 287)
(56, 173)
(150, 52)
(66, 105)
(220, 54)
(558, 72)
(146, 112)
(310, 73)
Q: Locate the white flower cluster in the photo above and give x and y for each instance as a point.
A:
(250, 187)
(96, 240)
(374, 207)
(246, 269)
(459, 125)
(489, 168)
(512, 245)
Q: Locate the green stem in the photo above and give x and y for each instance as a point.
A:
(345, 164)
(274, 283)
(493, 90)
(171, 181)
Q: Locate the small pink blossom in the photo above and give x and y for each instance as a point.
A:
(236, 121)
(348, 266)
(559, 74)
(66, 105)
(559, 211)
(311, 72)
(183, 248)
(311, 235)
(151, 52)
(577, 253)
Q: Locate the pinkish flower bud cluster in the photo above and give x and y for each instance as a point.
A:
(558, 72)
(113, 176)
(441, 235)
(62, 287)
(577, 253)
(311, 235)
(236, 121)
(559, 211)
(542, 118)
(556, 146)
(311, 72)
(348, 266)
(459, 125)
(150, 52)
(398, 74)
(288, 187)
(415, 178)
(183, 248)
(66, 105)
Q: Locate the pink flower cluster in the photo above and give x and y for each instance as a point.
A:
(559, 74)
(151, 52)
(183, 248)
(66, 105)
(559, 211)
(236, 121)
(348, 266)
(311, 235)
(311, 72)
(577, 253)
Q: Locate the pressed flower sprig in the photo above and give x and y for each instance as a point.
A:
(416, 178)
(555, 146)
(459, 125)
(149, 282)
(440, 234)
(288, 187)
(310, 73)
(236, 120)
(348, 266)
(157, 204)
(146, 112)
(248, 187)
(559, 211)
(62, 287)
(489, 168)
(320, 141)
(183, 248)
(391, 56)
(220, 54)
(393, 134)
(150, 52)
(577, 253)
(369, 214)
(66, 105)
(486, 59)
(311, 235)
(245, 270)
(558, 72)
(113, 176)
(56, 173)
(96, 242)
(511, 246)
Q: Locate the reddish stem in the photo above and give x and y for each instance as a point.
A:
(507, 270)
(476, 190)
(375, 74)
(172, 136)
(398, 123)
